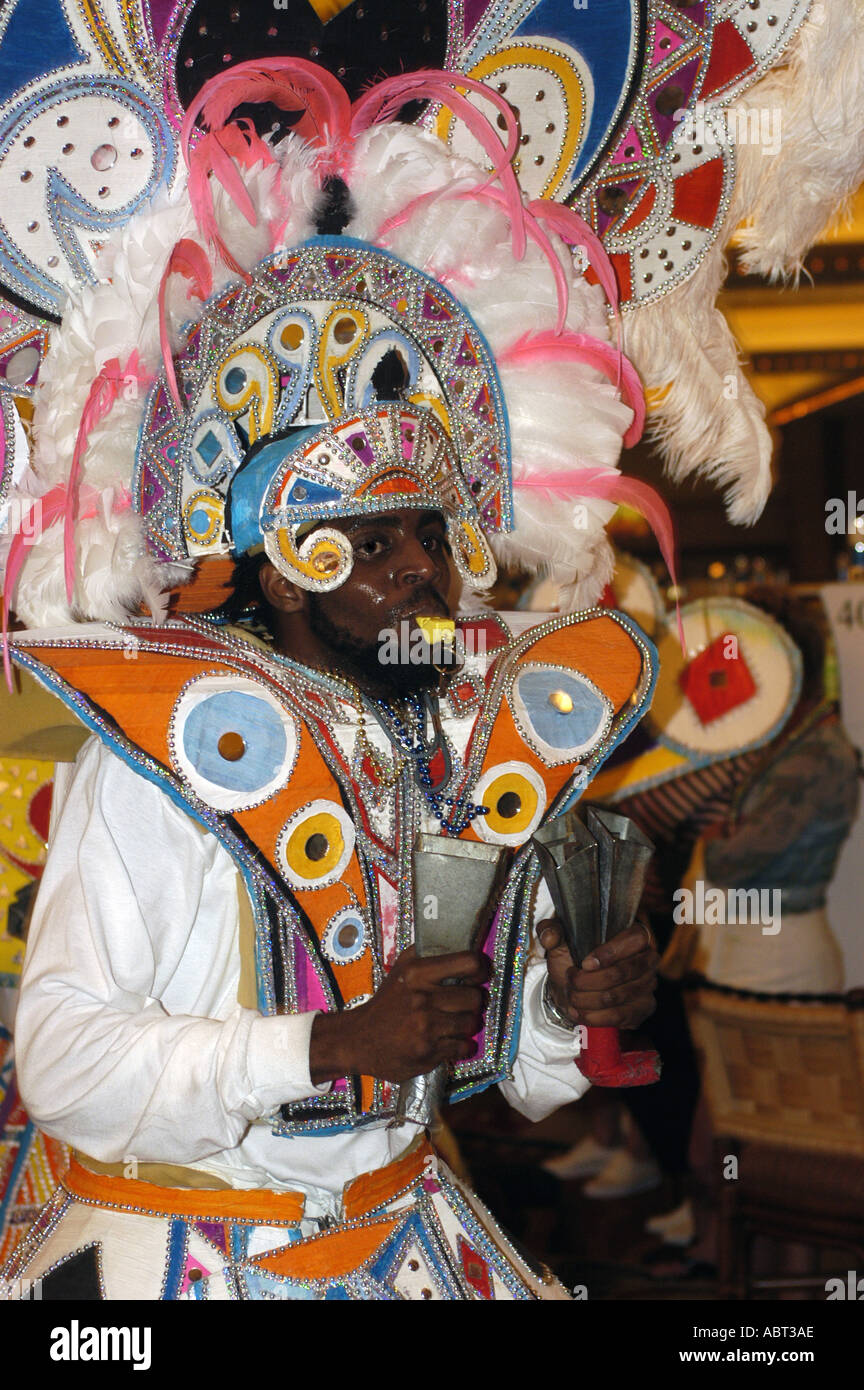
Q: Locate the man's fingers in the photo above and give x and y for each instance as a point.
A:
(457, 1049)
(458, 999)
(550, 934)
(643, 966)
(587, 1000)
(626, 943)
(427, 972)
(630, 1015)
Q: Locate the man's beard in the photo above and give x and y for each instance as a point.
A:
(362, 660)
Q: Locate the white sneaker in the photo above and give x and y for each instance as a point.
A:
(624, 1176)
(675, 1227)
(582, 1161)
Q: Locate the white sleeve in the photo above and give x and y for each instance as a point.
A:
(129, 1039)
(545, 1075)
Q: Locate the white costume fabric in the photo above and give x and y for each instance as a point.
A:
(131, 1044)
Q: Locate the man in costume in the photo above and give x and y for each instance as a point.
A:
(226, 1025)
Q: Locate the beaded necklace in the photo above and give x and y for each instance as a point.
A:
(455, 814)
(387, 777)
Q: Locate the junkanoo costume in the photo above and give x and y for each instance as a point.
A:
(335, 378)
(233, 852)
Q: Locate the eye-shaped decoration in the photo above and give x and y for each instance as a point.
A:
(471, 552)
(550, 85)
(247, 388)
(516, 797)
(342, 336)
(344, 940)
(315, 846)
(387, 368)
(232, 741)
(560, 714)
(203, 521)
(323, 560)
(293, 341)
(214, 451)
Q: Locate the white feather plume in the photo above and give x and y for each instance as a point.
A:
(702, 412)
(561, 417)
(793, 194)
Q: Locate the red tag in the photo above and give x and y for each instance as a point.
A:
(717, 680)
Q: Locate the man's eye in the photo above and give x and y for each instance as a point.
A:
(435, 544)
(370, 546)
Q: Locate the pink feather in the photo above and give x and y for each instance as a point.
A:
(102, 395)
(189, 260)
(398, 219)
(612, 486)
(580, 347)
(524, 224)
(52, 506)
(292, 84)
(383, 101)
(575, 231)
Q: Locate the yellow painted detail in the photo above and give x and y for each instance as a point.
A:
(299, 862)
(136, 38)
(323, 560)
(518, 786)
(560, 700)
(213, 508)
(260, 393)
(474, 552)
(328, 9)
(549, 64)
(616, 780)
(335, 350)
(100, 32)
(436, 405)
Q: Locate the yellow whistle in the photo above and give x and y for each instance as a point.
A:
(435, 630)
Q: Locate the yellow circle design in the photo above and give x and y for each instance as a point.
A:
(512, 802)
(304, 859)
(292, 336)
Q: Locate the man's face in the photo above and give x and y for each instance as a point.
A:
(402, 569)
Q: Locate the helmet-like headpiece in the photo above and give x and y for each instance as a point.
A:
(338, 381)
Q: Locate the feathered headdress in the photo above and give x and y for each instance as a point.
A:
(499, 351)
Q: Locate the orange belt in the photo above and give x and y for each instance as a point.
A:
(259, 1205)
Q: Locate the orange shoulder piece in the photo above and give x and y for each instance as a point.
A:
(559, 698)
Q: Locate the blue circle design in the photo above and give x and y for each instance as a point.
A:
(555, 728)
(235, 380)
(199, 522)
(258, 724)
(351, 925)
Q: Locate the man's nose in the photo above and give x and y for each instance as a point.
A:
(414, 563)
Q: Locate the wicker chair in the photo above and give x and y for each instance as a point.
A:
(784, 1080)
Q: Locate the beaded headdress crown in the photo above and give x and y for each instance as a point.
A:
(338, 381)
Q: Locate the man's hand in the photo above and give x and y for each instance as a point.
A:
(614, 988)
(413, 1022)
